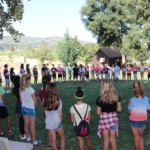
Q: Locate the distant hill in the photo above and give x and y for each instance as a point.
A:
(8, 42)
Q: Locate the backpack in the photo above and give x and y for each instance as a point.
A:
(83, 128)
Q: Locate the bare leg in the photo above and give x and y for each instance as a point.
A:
(113, 140)
(88, 142)
(62, 138)
(106, 140)
(32, 128)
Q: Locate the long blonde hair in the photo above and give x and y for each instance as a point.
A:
(24, 82)
(108, 92)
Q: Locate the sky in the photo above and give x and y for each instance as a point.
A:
(47, 18)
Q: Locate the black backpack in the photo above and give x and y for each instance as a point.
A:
(83, 128)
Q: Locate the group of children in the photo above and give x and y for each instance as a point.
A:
(81, 72)
(108, 104)
(113, 72)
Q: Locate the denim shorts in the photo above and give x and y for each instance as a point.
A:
(137, 124)
(28, 112)
(59, 127)
(114, 127)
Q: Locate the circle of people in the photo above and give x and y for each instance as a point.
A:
(83, 72)
(107, 106)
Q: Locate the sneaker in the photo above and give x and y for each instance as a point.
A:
(28, 140)
(2, 134)
(22, 137)
(37, 143)
(9, 133)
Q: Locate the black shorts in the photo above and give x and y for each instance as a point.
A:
(75, 76)
(128, 74)
(59, 75)
(87, 75)
(54, 76)
(3, 112)
(148, 75)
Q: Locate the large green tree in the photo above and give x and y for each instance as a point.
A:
(105, 19)
(10, 12)
(123, 23)
(88, 51)
(69, 49)
(137, 41)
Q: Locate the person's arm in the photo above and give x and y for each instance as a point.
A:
(61, 115)
(119, 107)
(129, 106)
(72, 118)
(89, 116)
(34, 99)
(3, 98)
(98, 110)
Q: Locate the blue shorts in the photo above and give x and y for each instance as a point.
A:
(137, 124)
(135, 72)
(114, 127)
(28, 112)
(59, 127)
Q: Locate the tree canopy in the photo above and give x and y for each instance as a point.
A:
(10, 12)
(121, 23)
(69, 49)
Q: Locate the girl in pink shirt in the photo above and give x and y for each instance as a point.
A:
(135, 70)
(138, 107)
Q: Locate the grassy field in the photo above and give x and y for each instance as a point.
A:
(92, 90)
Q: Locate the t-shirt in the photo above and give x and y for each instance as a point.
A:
(6, 73)
(82, 110)
(53, 119)
(69, 68)
(92, 68)
(117, 69)
(60, 70)
(28, 71)
(97, 70)
(106, 69)
(129, 69)
(35, 72)
(75, 70)
(106, 107)
(43, 69)
(149, 70)
(53, 70)
(2, 92)
(142, 69)
(138, 108)
(26, 97)
(135, 68)
(22, 71)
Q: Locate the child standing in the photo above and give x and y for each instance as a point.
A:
(27, 96)
(53, 112)
(7, 75)
(138, 106)
(35, 75)
(108, 103)
(12, 74)
(4, 112)
(80, 109)
(15, 91)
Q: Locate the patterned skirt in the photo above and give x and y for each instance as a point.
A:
(106, 121)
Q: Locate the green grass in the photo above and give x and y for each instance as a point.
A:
(92, 90)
